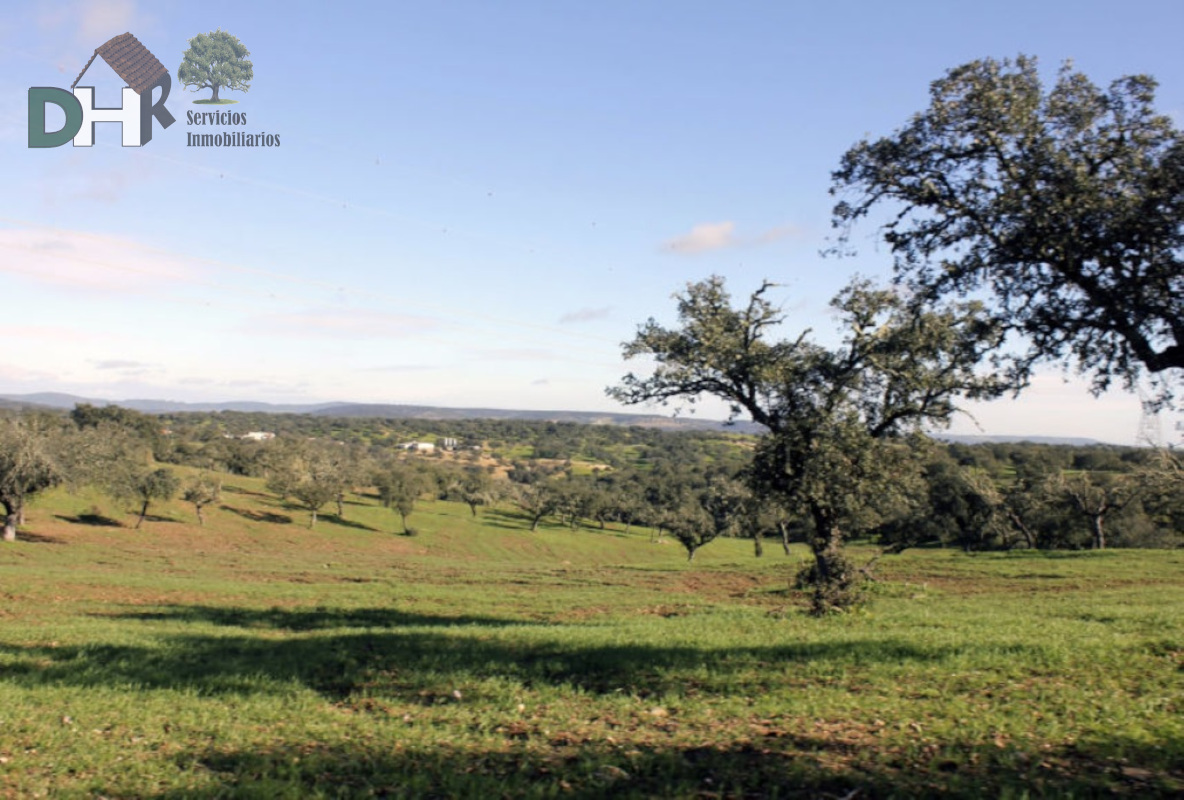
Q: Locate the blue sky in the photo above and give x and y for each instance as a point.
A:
(474, 204)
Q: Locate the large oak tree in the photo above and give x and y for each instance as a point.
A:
(839, 420)
(1065, 207)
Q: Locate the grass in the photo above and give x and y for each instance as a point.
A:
(219, 102)
(256, 658)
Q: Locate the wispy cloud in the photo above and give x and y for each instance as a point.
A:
(17, 374)
(43, 333)
(401, 368)
(515, 354)
(585, 315)
(119, 363)
(89, 262)
(341, 323)
(126, 368)
(92, 20)
(100, 20)
(708, 236)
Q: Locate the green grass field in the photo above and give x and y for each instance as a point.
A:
(256, 658)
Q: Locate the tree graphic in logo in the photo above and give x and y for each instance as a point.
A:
(216, 60)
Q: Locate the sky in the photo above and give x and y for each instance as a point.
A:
(474, 204)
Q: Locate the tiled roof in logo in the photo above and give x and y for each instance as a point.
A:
(130, 60)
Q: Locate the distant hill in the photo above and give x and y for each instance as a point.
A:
(388, 411)
(582, 417)
(68, 401)
(1070, 441)
(398, 411)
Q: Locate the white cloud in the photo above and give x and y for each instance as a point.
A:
(708, 236)
(704, 237)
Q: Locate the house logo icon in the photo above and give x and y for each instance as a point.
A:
(140, 70)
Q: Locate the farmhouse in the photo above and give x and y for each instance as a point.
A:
(418, 447)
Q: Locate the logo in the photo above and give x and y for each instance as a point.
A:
(139, 69)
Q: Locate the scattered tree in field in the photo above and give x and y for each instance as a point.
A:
(311, 473)
(1066, 206)
(29, 463)
(353, 466)
(839, 421)
(1096, 497)
(1163, 497)
(216, 60)
(717, 511)
(475, 489)
(537, 500)
(201, 491)
(399, 487)
(145, 486)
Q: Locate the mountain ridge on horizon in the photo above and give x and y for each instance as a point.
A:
(64, 401)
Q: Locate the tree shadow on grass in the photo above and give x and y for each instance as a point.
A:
(534, 763)
(37, 538)
(510, 520)
(418, 660)
(231, 489)
(258, 516)
(314, 619)
(97, 520)
(347, 523)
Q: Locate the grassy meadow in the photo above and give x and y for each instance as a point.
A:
(253, 657)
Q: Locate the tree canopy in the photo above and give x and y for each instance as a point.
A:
(1066, 207)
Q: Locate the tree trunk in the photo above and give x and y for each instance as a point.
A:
(201, 521)
(758, 547)
(12, 513)
(143, 513)
(1022, 527)
(835, 578)
(404, 518)
(784, 528)
(312, 520)
(1099, 532)
(690, 554)
(340, 506)
(214, 97)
